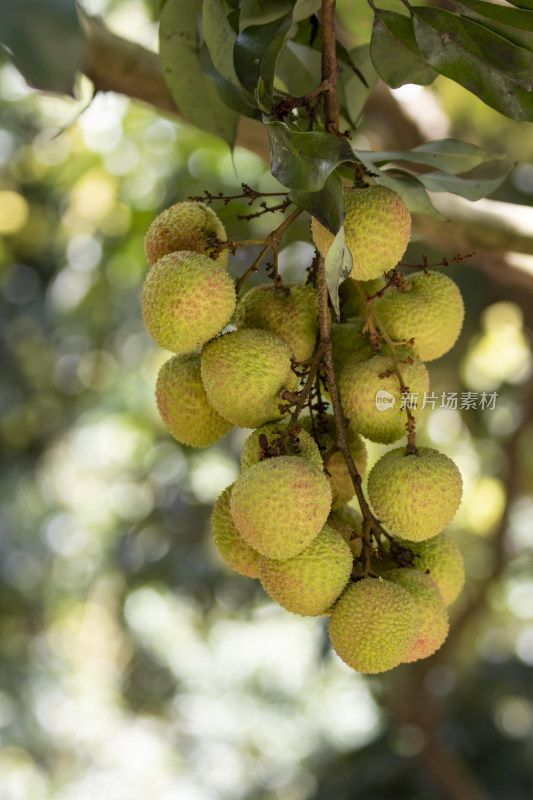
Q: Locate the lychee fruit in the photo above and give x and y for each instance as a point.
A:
(186, 226)
(232, 547)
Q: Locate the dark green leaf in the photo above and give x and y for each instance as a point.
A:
(513, 24)
(448, 155)
(472, 188)
(522, 3)
(327, 205)
(256, 52)
(231, 95)
(354, 93)
(498, 72)
(195, 93)
(304, 160)
(395, 53)
(299, 68)
(220, 39)
(338, 264)
(45, 41)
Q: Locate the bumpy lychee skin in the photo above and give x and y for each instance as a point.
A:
(430, 311)
(351, 302)
(187, 300)
(373, 625)
(415, 496)
(377, 229)
(379, 417)
(433, 625)
(442, 559)
(290, 311)
(185, 226)
(243, 373)
(303, 445)
(234, 550)
(339, 478)
(349, 523)
(309, 583)
(279, 505)
(183, 403)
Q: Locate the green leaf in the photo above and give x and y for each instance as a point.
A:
(448, 155)
(327, 205)
(231, 95)
(220, 39)
(299, 68)
(195, 93)
(513, 24)
(522, 3)
(354, 92)
(304, 160)
(338, 264)
(412, 191)
(256, 52)
(45, 42)
(472, 188)
(395, 53)
(498, 72)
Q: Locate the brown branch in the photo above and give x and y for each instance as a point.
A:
(329, 66)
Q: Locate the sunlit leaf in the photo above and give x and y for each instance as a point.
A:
(395, 53)
(472, 188)
(338, 264)
(304, 160)
(448, 155)
(44, 40)
(489, 66)
(195, 92)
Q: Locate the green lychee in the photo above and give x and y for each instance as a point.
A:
(183, 403)
(187, 300)
(442, 559)
(234, 550)
(415, 496)
(433, 625)
(310, 582)
(302, 445)
(377, 228)
(279, 505)
(371, 396)
(185, 226)
(373, 625)
(430, 311)
(290, 311)
(351, 302)
(346, 339)
(349, 523)
(244, 372)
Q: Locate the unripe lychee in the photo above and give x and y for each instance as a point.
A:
(441, 557)
(187, 300)
(430, 311)
(433, 622)
(243, 373)
(234, 550)
(290, 311)
(310, 582)
(183, 403)
(351, 302)
(349, 523)
(279, 505)
(377, 228)
(185, 226)
(415, 496)
(340, 480)
(302, 445)
(373, 625)
(346, 339)
(371, 396)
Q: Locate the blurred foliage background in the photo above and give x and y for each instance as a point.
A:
(132, 661)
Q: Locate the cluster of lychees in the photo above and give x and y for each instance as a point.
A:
(286, 519)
